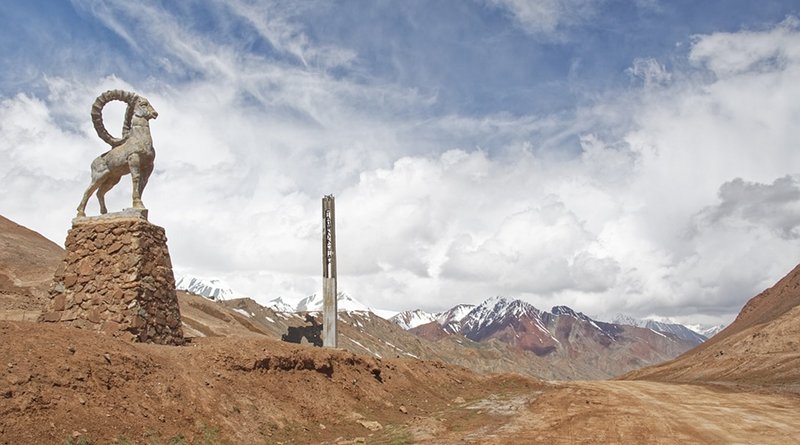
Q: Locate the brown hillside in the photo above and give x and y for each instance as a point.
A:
(767, 306)
(762, 346)
(27, 263)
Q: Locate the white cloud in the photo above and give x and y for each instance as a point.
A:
(650, 71)
(545, 17)
(727, 54)
(644, 214)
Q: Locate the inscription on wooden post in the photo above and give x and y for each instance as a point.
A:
(329, 272)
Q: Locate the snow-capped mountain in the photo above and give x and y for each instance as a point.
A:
(627, 320)
(676, 329)
(451, 319)
(314, 303)
(663, 326)
(211, 288)
(280, 305)
(710, 331)
(562, 334)
(411, 319)
(218, 290)
(344, 303)
(457, 313)
(495, 312)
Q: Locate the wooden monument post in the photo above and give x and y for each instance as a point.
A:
(329, 293)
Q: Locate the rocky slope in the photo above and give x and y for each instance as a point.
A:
(27, 263)
(762, 346)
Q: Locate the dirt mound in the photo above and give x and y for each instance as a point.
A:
(762, 346)
(27, 263)
(59, 384)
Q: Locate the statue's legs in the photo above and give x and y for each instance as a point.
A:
(100, 172)
(134, 164)
(105, 185)
(145, 172)
(82, 207)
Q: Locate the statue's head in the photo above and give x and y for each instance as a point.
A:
(143, 109)
(138, 106)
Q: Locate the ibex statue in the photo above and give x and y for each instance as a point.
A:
(132, 153)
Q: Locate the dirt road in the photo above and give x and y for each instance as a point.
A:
(616, 412)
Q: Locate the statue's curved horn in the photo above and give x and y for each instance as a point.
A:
(97, 115)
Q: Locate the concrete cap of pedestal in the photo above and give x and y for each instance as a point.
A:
(127, 214)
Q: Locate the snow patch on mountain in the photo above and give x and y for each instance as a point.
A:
(244, 312)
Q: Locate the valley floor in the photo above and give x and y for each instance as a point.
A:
(64, 385)
(615, 412)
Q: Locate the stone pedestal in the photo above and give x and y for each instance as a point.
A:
(117, 278)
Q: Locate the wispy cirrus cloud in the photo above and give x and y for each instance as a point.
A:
(548, 17)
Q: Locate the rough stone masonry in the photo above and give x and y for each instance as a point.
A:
(117, 278)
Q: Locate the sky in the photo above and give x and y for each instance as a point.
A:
(638, 157)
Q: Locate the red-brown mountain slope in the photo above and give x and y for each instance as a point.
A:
(564, 343)
(762, 346)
